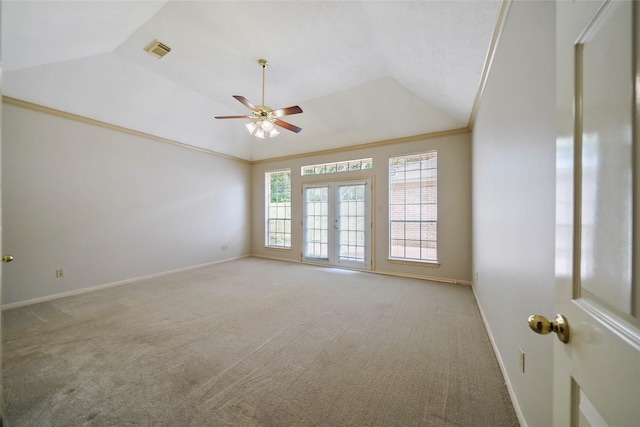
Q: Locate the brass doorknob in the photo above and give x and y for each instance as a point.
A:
(7, 258)
(541, 325)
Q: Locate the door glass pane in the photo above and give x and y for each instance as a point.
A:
(606, 233)
(317, 222)
(351, 220)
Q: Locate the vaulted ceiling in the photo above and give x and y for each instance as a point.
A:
(362, 71)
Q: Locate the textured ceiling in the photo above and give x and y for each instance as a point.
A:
(362, 71)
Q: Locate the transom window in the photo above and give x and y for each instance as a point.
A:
(413, 207)
(278, 208)
(344, 166)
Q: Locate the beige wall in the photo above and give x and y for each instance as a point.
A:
(108, 206)
(514, 203)
(454, 200)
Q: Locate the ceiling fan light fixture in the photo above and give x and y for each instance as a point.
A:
(262, 129)
(251, 127)
(273, 132)
(267, 126)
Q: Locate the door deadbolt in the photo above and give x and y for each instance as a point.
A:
(541, 325)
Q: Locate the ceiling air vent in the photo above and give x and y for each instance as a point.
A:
(158, 49)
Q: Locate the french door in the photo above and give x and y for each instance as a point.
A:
(337, 223)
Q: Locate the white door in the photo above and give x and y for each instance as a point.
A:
(337, 223)
(5, 258)
(597, 372)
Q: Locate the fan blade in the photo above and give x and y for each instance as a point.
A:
(233, 117)
(246, 102)
(287, 111)
(288, 126)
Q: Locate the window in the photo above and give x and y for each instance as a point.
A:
(344, 166)
(413, 207)
(278, 212)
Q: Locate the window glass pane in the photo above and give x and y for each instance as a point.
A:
(413, 207)
(344, 166)
(317, 222)
(352, 224)
(278, 208)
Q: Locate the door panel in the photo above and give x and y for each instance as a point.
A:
(603, 69)
(353, 225)
(597, 373)
(316, 222)
(337, 224)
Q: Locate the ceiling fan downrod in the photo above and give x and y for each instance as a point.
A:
(263, 63)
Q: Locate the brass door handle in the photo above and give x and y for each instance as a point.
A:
(7, 258)
(541, 325)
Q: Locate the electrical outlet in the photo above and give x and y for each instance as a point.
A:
(475, 276)
(521, 360)
(60, 273)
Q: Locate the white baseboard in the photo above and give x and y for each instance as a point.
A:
(514, 400)
(275, 258)
(386, 273)
(110, 285)
(429, 278)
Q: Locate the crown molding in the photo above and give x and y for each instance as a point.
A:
(394, 141)
(497, 33)
(70, 116)
(75, 117)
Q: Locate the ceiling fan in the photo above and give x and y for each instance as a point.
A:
(263, 117)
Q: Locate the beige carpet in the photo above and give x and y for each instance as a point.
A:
(254, 342)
